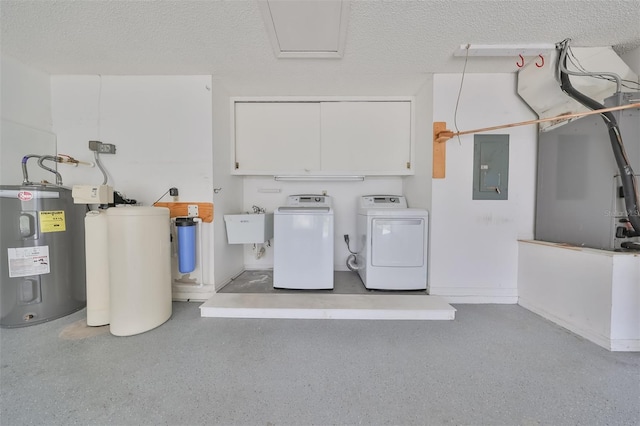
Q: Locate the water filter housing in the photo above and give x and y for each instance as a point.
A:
(186, 232)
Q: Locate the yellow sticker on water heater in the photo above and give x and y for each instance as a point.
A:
(52, 221)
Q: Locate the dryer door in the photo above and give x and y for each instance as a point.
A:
(398, 242)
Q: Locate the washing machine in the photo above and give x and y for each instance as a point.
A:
(303, 243)
(392, 243)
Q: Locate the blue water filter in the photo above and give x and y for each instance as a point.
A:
(186, 228)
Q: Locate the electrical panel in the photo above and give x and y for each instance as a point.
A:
(491, 167)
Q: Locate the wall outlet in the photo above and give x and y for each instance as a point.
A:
(192, 210)
(102, 148)
(107, 148)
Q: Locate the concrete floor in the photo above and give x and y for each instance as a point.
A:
(345, 282)
(495, 364)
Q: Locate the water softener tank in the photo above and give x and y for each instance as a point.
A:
(97, 253)
(186, 230)
(139, 241)
(42, 257)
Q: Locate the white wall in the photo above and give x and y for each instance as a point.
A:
(417, 188)
(162, 129)
(228, 259)
(632, 58)
(474, 250)
(25, 95)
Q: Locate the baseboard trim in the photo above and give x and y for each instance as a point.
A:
(191, 293)
(625, 345)
(590, 335)
(227, 280)
(462, 295)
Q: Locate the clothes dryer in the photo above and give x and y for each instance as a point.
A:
(392, 243)
(303, 243)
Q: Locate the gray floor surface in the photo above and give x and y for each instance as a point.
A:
(495, 364)
(345, 282)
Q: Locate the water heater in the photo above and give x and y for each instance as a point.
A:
(42, 257)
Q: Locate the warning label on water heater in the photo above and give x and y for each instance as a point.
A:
(52, 221)
(26, 261)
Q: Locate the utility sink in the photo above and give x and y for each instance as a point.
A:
(249, 228)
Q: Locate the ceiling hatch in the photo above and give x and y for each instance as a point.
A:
(306, 28)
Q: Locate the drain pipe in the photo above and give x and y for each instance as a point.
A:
(352, 260)
(352, 263)
(55, 172)
(25, 174)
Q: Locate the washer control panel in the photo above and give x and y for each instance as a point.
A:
(383, 202)
(309, 200)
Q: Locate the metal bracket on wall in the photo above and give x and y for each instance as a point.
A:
(186, 209)
(439, 149)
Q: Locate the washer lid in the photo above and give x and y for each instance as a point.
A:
(303, 210)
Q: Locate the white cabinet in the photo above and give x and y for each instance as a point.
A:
(272, 137)
(367, 137)
(322, 137)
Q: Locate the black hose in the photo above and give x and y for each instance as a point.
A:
(629, 185)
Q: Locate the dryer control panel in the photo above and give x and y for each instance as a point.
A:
(383, 202)
(309, 200)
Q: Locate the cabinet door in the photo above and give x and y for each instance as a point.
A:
(275, 137)
(370, 137)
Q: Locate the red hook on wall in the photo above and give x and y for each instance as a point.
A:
(542, 62)
(520, 64)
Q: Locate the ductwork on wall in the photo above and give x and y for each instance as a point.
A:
(540, 88)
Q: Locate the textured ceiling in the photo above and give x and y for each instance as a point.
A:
(385, 39)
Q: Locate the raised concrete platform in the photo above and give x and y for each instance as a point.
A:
(327, 306)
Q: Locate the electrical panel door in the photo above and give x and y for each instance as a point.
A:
(491, 167)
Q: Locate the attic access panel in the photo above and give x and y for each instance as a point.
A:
(306, 28)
